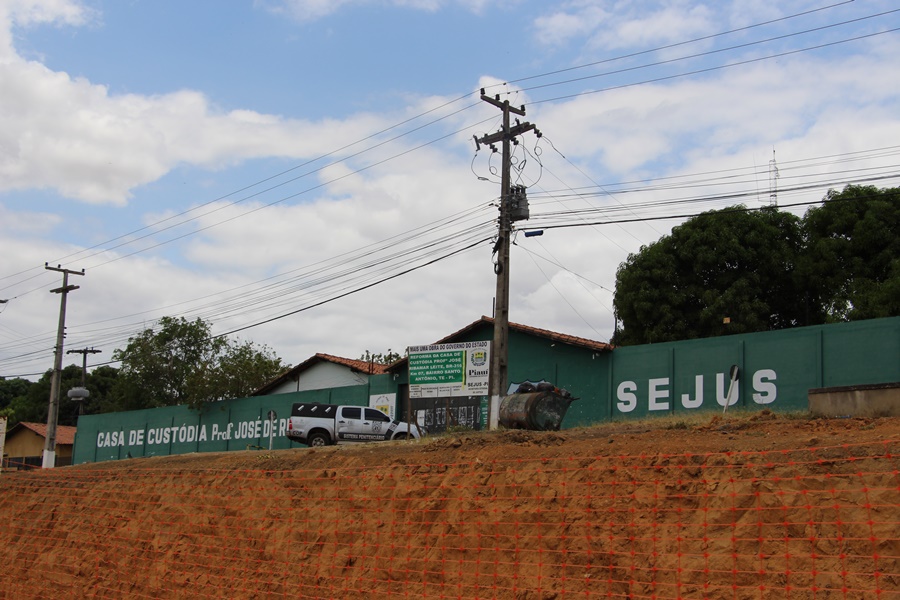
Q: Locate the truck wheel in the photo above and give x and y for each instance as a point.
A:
(317, 440)
(401, 436)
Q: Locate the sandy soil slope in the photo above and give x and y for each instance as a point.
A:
(748, 506)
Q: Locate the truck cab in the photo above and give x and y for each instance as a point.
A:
(361, 424)
(316, 424)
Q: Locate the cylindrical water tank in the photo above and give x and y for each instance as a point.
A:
(537, 411)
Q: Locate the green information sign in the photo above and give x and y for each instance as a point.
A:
(445, 370)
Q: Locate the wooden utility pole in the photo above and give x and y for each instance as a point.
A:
(499, 349)
(53, 412)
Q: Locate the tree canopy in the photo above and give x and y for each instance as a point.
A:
(23, 400)
(738, 271)
(180, 362)
(852, 256)
(378, 358)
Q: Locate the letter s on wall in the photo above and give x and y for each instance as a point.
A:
(762, 384)
(627, 398)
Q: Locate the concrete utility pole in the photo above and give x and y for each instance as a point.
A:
(50, 442)
(84, 352)
(81, 394)
(499, 349)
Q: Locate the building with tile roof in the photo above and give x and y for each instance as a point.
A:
(483, 329)
(24, 446)
(322, 371)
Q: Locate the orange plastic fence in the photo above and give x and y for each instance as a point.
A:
(803, 523)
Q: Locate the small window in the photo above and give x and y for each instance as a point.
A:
(352, 413)
(376, 415)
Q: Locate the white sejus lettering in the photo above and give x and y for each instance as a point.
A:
(763, 385)
(723, 386)
(697, 400)
(627, 397)
(658, 392)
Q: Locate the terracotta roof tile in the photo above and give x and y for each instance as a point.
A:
(65, 434)
(357, 365)
(560, 337)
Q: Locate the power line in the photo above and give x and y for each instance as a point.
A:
(678, 216)
(716, 68)
(156, 230)
(712, 52)
(683, 43)
(236, 308)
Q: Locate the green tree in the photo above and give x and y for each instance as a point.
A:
(32, 406)
(722, 272)
(380, 359)
(242, 369)
(180, 362)
(852, 258)
(101, 383)
(12, 388)
(10, 391)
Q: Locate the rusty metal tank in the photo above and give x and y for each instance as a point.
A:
(537, 411)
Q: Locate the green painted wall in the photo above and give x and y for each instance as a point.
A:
(777, 369)
(229, 425)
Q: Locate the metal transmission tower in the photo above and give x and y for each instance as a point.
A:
(499, 349)
(50, 442)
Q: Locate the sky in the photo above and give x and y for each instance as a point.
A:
(304, 174)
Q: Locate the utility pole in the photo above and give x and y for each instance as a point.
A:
(499, 347)
(81, 394)
(52, 413)
(84, 352)
(773, 180)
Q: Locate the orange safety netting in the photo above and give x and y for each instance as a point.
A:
(801, 523)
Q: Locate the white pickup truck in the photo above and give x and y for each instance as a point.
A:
(316, 424)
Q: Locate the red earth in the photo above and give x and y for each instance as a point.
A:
(748, 506)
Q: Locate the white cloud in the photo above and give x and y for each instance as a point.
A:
(311, 10)
(560, 27)
(30, 12)
(664, 26)
(25, 13)
(26, 223)
(623, 24)
(74, 137)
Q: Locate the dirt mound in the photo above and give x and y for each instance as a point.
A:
(760, 506)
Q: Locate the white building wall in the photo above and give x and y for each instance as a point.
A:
(322, 376)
